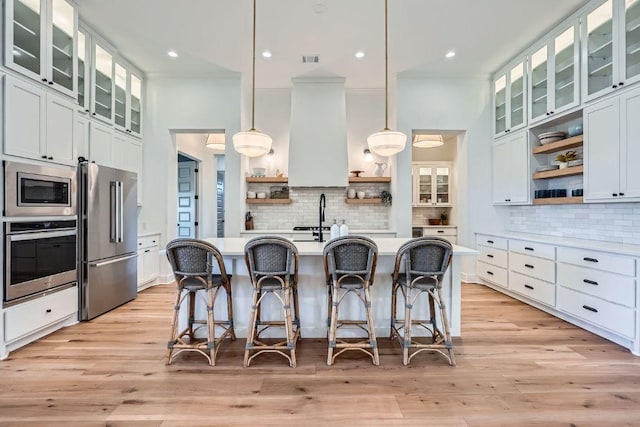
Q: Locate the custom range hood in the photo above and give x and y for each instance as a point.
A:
(318, 135)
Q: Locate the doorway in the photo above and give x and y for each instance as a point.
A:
(188, 199)
(219, 158)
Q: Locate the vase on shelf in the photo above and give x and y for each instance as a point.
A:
(380, 168)
(563, 165)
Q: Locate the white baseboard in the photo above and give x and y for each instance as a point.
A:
(469, 278)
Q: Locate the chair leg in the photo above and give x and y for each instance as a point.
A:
(432, 313)
(406, 344)
(251, 330)
(372, 330)
(174, 326)
(445, 325)
(192, 311)
(394, 297)
(230, 311)
(211, 342)
(333, 324)
(288, 324)
(296, 310)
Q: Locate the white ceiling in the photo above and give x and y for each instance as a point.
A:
(214, 36)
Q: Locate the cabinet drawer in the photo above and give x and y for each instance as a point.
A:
(491, 241)
(598, 260)
(493, 256)
(540, 250)
(32, 315)
(428, 231)
(533, 288)
(594, 310)
(539, 268)
(492, 274)
(148, 241)
(601, 284)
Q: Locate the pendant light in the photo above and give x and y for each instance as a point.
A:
(252, 143)
(427, 141)
(386, 142)
(215, 141)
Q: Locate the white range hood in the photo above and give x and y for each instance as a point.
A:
(318, 136)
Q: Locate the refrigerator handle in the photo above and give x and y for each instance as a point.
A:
(113, 214)
(121, 217)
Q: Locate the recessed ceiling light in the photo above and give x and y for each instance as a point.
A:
(172, 53)
(359, 54)
(266, 54)
(450, 54)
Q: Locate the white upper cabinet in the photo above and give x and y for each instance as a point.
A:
(128, 99)
(121, 105)
(432, 184)
(611, 47)
(554, 74)
(84, 70)
(40, 41)
(102, 81)
(135, 102)
(509, 99)
(511, 180)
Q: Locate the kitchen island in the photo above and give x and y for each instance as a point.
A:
(312, 288)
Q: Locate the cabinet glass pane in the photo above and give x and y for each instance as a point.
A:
(442, 185)
(82, 46)
(104, 82)
(26, 34)
(632, 35)
(565, 72)
(120, 96)
(517, 95)
(424, 190)
(539, 82)
(501, 104)
(136, 97)
(62, 21)
(600, 48)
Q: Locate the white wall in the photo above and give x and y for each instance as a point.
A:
(185, 104)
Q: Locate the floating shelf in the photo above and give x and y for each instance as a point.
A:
(268, 201)
(575, 170)
(363, 201)
(575, 141)
(268, 179)
(558, 201)
(356, 179)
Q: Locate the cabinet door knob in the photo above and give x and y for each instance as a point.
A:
(44, 157)
(621, 84)
(50, 158)
(51, 83)
(551, 112)
(93, 114)
(621, 194)
(614, 86)
(44, 80)
(86, 111)
(615, 194)
(48, 310)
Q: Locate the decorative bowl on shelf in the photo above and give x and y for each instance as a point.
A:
(574, 130)
(435, 221)
(259, 172)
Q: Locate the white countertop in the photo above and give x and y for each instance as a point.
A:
(234, 246)
(434, 226)
(596, 245)
(290, 231)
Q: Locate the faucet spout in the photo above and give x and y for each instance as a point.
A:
(321, 206)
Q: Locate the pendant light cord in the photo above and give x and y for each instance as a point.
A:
(253, 72)
(386, 71)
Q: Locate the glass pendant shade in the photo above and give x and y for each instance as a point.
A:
(387, 142)
(215, 141)
(428, 141)
(252, 143)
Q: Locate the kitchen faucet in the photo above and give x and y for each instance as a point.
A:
(321, 206)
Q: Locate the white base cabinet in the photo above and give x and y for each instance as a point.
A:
(594, 289)
(148, 260)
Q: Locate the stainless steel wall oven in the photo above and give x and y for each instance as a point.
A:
(39, 255)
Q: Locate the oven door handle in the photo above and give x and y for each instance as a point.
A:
(112, 261)
(40, 235)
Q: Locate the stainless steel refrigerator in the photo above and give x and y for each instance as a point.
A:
(107, 228)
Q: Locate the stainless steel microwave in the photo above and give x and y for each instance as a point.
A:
(32, 190)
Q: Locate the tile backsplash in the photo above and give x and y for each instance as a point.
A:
(303, 209)
(611, 222)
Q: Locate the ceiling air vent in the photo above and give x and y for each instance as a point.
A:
(310, 59)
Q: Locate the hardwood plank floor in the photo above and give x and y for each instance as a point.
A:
(517, 366)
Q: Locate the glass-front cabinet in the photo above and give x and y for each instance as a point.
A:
(84, 69)
(431, 184)
(509, 99)
(121, 105)
(611, 48)
(102, 83)
(40, 41)
(128, 99)
(554, 75)
(135, 111)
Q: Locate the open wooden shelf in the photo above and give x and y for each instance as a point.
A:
(564, 144)
(372, 201)
(558, 201)
(268, 201)
(268, 179)
(574, 170)
(355, 179)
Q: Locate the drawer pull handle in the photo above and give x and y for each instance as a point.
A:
(489, 273)
(527, 248)
(528, 265)
(147, 250)
(528, 287)
(440, 231)
(489, 256)
(590, 259)
(48, 310)
(586, 307)
(490, 241)
(591, 282)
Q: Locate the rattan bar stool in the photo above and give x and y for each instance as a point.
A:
(193, 264)
(350, 264)
(425, 261)
(273, 267)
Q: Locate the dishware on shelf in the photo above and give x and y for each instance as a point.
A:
(251, 194)
(549, 137)
(547, 168)
(435, 221)
(262, 195)
(576, 162)
(577, 192)
(259, 172)
(574, 130)
(361, 194)
(351, 193)
(356, 173)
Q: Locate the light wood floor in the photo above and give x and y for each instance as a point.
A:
(517, 366)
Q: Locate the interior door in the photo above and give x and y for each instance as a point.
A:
(220, 204)
(187, 199)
